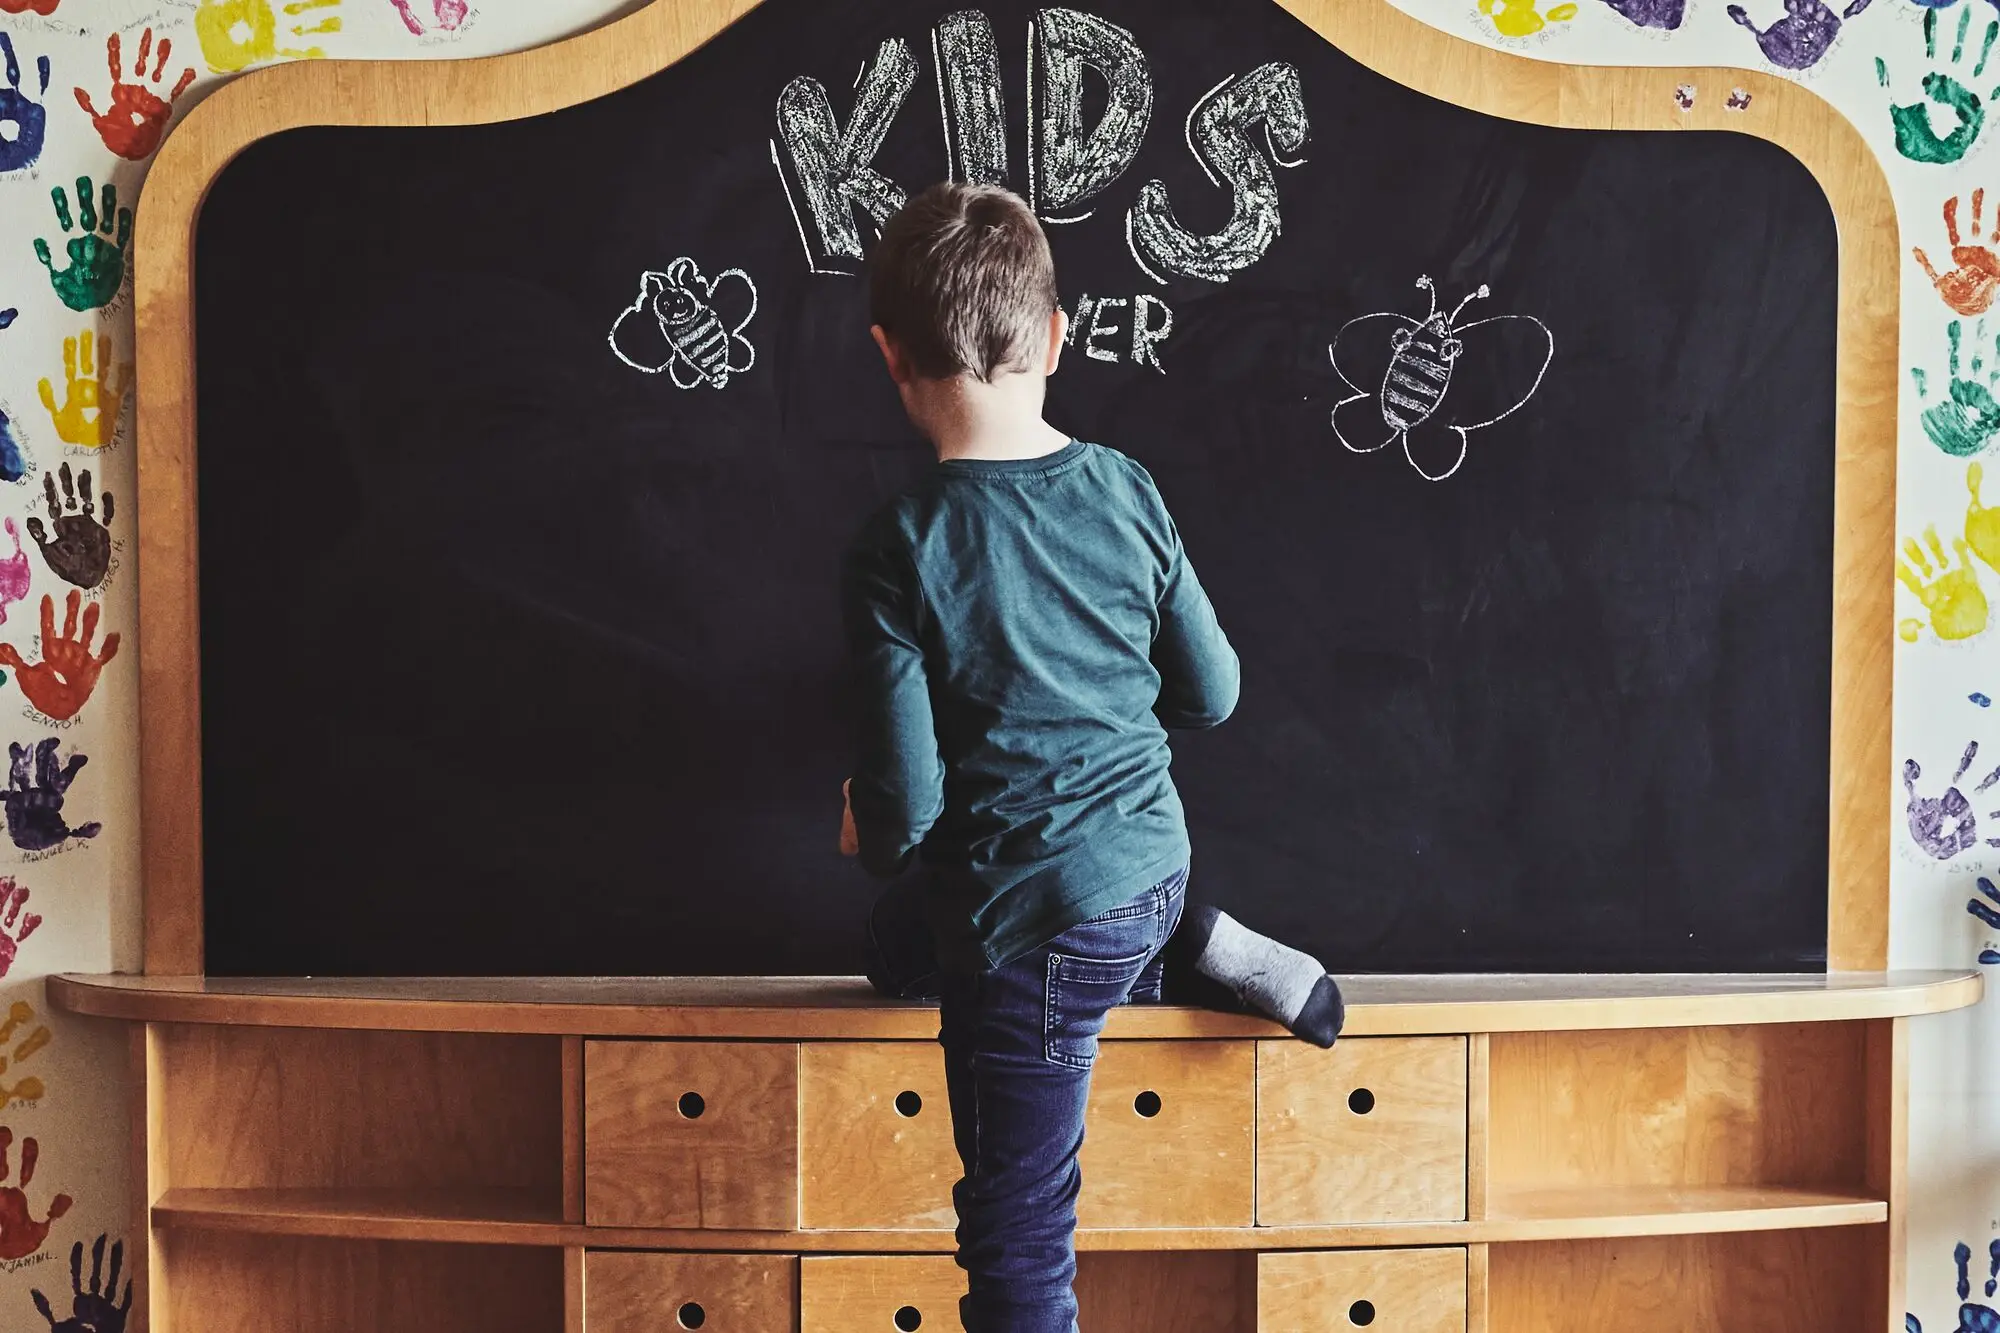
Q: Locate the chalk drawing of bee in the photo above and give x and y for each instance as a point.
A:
(689, 326)
(1427, 383)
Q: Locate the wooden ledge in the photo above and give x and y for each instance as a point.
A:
(843, 1008)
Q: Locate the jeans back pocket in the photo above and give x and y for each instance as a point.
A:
(1080, 993)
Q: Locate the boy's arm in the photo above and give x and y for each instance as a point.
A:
(897, 791)
(1199, 674)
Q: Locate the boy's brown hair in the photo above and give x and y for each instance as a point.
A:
(962, 279)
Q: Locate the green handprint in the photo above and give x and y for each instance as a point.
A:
(1968, 418)
(1916, 139)
(96, 264)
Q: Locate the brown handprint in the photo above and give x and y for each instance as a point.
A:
(80, 548)
(136, 116)
(1973, 283)
(61, 682)
(29, 1089)
(20, 1234)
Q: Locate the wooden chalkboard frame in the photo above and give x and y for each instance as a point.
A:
(600, 62)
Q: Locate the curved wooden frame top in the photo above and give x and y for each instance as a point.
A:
(1392, 43)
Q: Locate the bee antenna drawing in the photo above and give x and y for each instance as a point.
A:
(1425, 284)
(1469, 299)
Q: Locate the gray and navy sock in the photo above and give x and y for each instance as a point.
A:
(1275, 980)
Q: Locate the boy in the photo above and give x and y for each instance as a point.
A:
(1024, 626)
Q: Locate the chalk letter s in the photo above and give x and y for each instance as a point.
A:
(1066, 168)
(1219, 132)
(832, 165)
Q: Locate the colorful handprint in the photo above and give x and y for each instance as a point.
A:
(1521, 18)
(1916, 138)
(20, 1234)
(96, 263)
(1946, 825)
(1950, 593)
(42, 7)
(90, 1308)
(79, 550)
(1802, 36)
(29, 1089)
(236, 34)
(24, 121)
(13, 459)
(1967, 419)
(1974, 279)
(1973, 1317)
(60, 684)
(14, 926)
(136, 116)
(450, 13)
(34, 806)
(88, 416)
(14, 571)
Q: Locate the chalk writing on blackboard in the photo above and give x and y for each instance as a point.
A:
(688, 325)
(1218, 134)
(968, 77)
(1403, 371)
(1098, 321)
(832, 165)
(1068, 168)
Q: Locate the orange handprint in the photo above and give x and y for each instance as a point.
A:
(44, 7)
(62, 681)
(136, 117)
(29, 1089)
(1970, 286)
(20, 1234)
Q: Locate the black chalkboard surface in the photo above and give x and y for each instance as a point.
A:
(527, 453)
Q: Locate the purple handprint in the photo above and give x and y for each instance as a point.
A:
(1803, 35)
(450, 13)
(1945, 825)
(34, 813)
(90, 1308)
(1652, 13)
(24, 122)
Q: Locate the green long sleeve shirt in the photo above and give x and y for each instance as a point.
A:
(1024, 632)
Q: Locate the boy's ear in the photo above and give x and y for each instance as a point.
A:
(1058, 330)
(892, 355)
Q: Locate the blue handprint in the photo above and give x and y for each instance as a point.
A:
(23, 122)
(1991, 918)
(13, 463)
(1972, 1317)
(35, 809)
(90, 1308)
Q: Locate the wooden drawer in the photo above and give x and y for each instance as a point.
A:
(1384, 1291)
(717, 1293)
(691, 1134)
(879, 1294)
(1167, 1136)
(1370, 1131)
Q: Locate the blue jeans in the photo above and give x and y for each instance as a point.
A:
(1019, 1042)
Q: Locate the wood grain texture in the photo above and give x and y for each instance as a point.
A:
(572, 1129)
(1190, 1164)
(1370, 1131)
(1476, 1304)
(532, 82)
(862, 1293)
(1886, 1166)
(244, 1107)
(1200, 1292)
(1866, 381)
(1408, 1291)
(574, 1289)
(1478, 1118)
(844, 1008)
(865, 1163)
(149, 1178)
(1773, 1282)
(257, 1284)
(1771, 1105)
(734, 1163)
(728, 1293)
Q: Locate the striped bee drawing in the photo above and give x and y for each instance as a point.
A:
(689, 326)
(1427, 382)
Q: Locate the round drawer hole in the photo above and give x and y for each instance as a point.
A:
(1361, 1102)
(909, 1319)
(692, 1106)
(1361, 1314)
(691, 1315)
(1147, 1104)
(908, 1103)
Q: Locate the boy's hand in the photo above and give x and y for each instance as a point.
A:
(850, 841)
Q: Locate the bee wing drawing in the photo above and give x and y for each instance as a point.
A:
(733, 297)
(1361, 354)
(1501, 366)
(635, 337)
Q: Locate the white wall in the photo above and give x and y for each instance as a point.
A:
(85, 892)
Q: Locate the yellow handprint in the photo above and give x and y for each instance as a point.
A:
(88, 416)
(1982, 525)
(1519, 18)
(236, 34)
(1952, 596)
(29, 1089)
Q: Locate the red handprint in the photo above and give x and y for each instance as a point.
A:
(20, 1234)
(136, 116)
(62, 681)
(1971, 286)
(14, 928)
(23, 6)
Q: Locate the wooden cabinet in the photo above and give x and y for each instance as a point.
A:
(1370, 1131)
(1168, 1138)
(880, 1294)
(691, 1134)
(1385, 1291)
(875, 1126)
(717, 1293)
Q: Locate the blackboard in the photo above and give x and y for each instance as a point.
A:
(520, 646)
